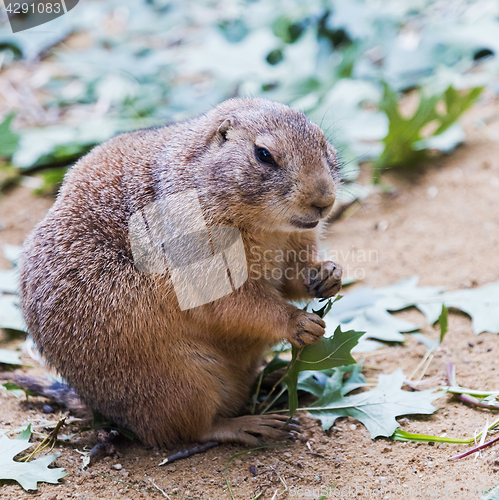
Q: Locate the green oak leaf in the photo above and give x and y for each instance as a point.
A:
(27, 474)
(315, 382)
(328, 353)
(404, 143)
(377, 408)
(15, 390)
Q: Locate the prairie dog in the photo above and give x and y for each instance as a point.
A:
(117, 333)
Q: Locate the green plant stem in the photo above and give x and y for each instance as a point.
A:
(471, 392)
(323, 497)
(281, 392)
(290, 365)
(400, 435)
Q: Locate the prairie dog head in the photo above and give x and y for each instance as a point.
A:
(278, 166)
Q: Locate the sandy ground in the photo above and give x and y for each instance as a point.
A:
(441, 224)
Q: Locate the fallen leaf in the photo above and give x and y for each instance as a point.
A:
(10, 313)
(377, 408)
(9, 357)
(27, 474)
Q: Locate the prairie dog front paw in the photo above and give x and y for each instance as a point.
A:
(324, 280)
(307, 328)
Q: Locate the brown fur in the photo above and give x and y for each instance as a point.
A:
(117, 334)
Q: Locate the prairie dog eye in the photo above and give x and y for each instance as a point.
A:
(263, 155)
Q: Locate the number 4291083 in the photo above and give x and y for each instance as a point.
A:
(39, 8)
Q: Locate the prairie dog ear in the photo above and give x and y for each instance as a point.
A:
(220, 129)
(224, 127)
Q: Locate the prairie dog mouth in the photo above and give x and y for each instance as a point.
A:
(303, 224)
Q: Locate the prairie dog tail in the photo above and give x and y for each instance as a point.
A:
(55, 390)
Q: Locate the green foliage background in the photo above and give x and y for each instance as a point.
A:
(346, 64)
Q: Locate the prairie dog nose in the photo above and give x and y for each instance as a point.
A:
(324, 201)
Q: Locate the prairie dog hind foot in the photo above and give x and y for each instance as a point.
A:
(253, 430)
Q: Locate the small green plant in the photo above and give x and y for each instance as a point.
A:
(405, 144)
(9, 140)
(326, 354)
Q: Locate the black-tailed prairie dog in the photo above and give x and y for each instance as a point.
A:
(116, 329)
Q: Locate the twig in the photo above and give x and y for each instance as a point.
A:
(475, 449)
(421, 364)
(426, 366)
(104, 444)
(188, 452)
